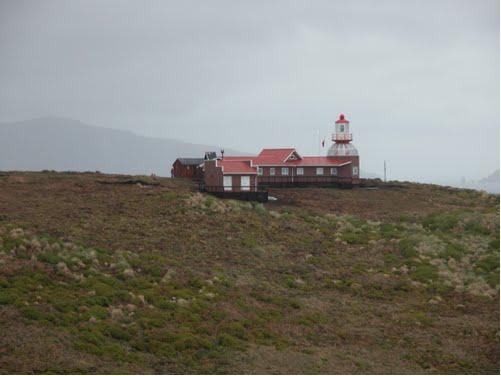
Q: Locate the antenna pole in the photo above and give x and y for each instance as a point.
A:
(385, 171)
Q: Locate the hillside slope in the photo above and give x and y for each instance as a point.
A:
(97, 276)
(68, 145)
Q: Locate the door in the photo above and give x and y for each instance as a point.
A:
(227, 183)
(245, 183)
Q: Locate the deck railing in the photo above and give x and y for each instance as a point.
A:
(248, 193)
(220, 188)
(342, 137)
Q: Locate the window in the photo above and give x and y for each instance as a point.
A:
(299, 171)
(320, 170)
(227, 182)
(341, 128)
(260, 171)
(333, 171)
(245, 183)
(355, 170)
(285, 171)
(272, 170)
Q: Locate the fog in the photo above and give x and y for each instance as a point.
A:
(419, 80)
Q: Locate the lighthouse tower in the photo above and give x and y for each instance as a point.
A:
(342, 138)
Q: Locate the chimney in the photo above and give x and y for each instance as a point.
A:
(222, 153)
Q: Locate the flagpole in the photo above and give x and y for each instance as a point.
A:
(318, 142)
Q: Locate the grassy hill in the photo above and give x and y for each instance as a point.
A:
(100, 276)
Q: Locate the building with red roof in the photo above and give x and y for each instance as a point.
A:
(286, 167)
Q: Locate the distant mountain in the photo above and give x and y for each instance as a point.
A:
(65, 144)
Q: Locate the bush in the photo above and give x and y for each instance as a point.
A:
(227, 340)
(425, 273)
(249, 241)
(351, 238)
(489, 263)
(474, 226)
(260, 209)
(32, 313)
(93, 337)
(170, 196)
(408, 248)
(453, 250)
(115, 331)
(50, 258)
(192, 342)
(389, 231)
(492, 279)
(441, 221)
(8, 296)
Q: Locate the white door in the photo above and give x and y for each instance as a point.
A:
(227, 183)
(245, 183)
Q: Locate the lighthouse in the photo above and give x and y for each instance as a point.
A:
(342, 138)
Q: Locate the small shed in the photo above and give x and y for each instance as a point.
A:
(187, 168)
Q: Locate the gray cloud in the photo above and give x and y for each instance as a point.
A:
(418, 79)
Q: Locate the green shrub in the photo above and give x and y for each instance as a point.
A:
(390, 259)
(88, 348)
(474, 226)
(167, 305)
(210, 201)
(117, 332)
(98, 312)
(408, 247)
(424, 273)
(489, 263)
(260, 209)
(92, 336)
(238, 329)
(356, 221)
(228, 340)
(50, 258)
(351, 237)
(192, 342)
(441, 221)
(8, 296)
(492, 279)
(422, 318)
(3, 283)
(170, 196)
(389, 231)
(32, 313)
(453, 250)
(115, 351)
(494, 244)
(249, 241)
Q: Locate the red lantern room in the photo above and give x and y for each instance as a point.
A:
(342, 130)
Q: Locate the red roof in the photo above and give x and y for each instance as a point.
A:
(236, 167)
(275, 157)
(341, 119)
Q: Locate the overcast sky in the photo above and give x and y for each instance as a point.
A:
(419, 80)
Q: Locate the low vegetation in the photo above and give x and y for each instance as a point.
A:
(101, 278)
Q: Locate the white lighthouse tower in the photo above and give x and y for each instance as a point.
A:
(342, 138)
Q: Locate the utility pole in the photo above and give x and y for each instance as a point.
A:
(385, 171)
